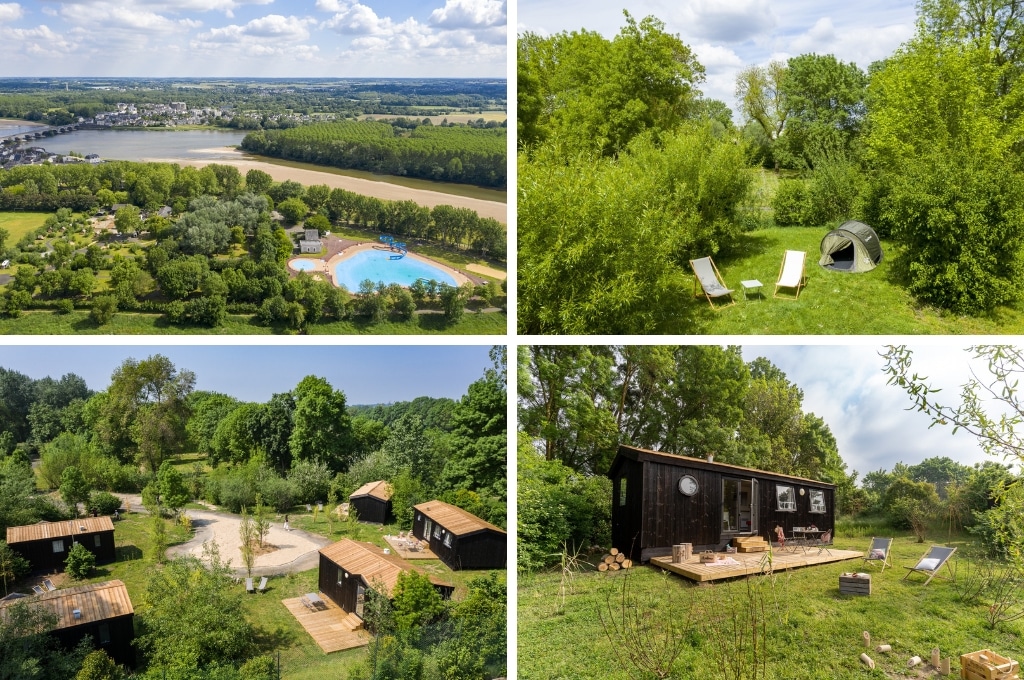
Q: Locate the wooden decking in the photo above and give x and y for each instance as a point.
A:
(332, 628)
(751, 563)
(401, 548)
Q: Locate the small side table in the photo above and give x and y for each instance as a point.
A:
(750, 286)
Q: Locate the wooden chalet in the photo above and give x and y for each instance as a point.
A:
(372, 503)
(46, 544)
(348, 569)
(660, 499)
(102, 610)
(459, 539)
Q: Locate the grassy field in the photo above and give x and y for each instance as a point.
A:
(18, 224)
(78, 323)
(812, 631)
(832, 303)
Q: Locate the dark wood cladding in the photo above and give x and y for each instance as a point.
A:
(481, 550)
(120, 631)
(42, 558)
(342, 590)
(374, 510)
(655, 515)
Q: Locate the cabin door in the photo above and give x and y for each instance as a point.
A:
(738, 506)
(360, 600)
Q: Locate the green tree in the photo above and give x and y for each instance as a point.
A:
(416, 602)
(321, 425)
(257, 181)
(80, 562)
(98, 666)
(12, 565)
(103, 309)
(26, 648)
(293, 209)
(762, 99)
(74, 489)
(127, 220)
(173, 493)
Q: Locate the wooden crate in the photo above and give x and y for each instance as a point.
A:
(993, 667)
(855, 584)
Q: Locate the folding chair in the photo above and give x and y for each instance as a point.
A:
(706, 274)
(38, 590)
(823, 542)
(780, 537)
(49, 584)
(262, 586)
(792, 272)
(932, 561)
(879, 551)
(248, 586)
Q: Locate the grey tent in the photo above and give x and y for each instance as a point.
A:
(852, 247)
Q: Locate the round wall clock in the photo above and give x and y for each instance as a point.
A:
(687, 485)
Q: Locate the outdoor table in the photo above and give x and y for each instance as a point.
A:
(313, 601)
(806, 534)
(749, 286)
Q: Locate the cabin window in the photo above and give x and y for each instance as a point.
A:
(818, 501)
(104, 634)
(426, 529)
(96, 540)
(448, 540)
(622, 492)
(58, 545)
(437, 531)
(786, 498)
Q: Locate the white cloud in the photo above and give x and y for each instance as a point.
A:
(469, 14)
(717, 58)
(274, 27)
(732, 22)
(40, 41)
(225, 6)
(820, 38)
(330, 6)
(9, 11)
(117, 16)
(358, 19)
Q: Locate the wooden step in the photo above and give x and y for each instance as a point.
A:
(352, 622)
(752, 548)
(745, 540)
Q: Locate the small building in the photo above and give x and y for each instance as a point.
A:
(101, 610)
(372, 503)
(348, 569)
(459, 539)
(46, 544)
(661, 499)
(310, 242)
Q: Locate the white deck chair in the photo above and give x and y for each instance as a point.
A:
(262, 587)
(932, 561)
(879, 552)
(791, 273)
(706, 274)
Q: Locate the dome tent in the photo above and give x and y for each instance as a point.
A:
(851, 247)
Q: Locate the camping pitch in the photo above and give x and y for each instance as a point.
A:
(852, 247)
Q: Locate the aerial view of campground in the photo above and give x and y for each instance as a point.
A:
(682, 512)
(778, 168)
(179, 515)
(200, 205)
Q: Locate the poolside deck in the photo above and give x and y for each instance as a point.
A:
(751, 563)
(332, 627)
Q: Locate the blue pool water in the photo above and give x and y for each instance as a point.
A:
(376, 265)
(302, 265)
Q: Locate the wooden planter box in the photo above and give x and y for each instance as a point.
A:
(855, 584)
(992, 667)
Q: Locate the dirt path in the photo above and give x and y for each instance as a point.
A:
(487, 271)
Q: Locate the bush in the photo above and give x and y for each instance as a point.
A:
(791, 203)
(104, 503)
(278, 493)
(115, 476)
(103, 309)
(80, 562)
(65, 306)
(311, 480)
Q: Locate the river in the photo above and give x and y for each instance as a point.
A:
(203, 147)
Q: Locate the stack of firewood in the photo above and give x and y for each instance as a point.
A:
(614, 561)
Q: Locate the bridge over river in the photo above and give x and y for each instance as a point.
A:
(39, 133)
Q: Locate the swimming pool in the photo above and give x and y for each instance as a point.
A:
(377, 266)
(302, 265)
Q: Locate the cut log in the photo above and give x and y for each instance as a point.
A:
(607, 559)
(620, 558)
(914, 660)
(614, 566)
(883, 649)
(627, 563)
(867, 638)
(602, 566)
(867, 660)
(614, 551)
(944, 666)
(935, 657)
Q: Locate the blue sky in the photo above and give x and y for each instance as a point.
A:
(246, 38)
(846, 387)
(367, 375)
(728, 35)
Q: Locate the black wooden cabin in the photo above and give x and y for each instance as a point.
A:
(660, 499)
(46, 544)
(100, 610)
(458, 538)
(349, 569)
(372, 503)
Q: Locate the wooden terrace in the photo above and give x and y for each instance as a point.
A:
(752, 563)
(403, 548)
(331, 627)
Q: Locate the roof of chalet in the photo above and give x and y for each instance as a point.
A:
(94, 601)
(49, 530)
(380, 490)
(645, 455)
(455, 519)
(372, 564)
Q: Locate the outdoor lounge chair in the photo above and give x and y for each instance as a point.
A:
(262, 587)
(49, 584)
(706, 274)
(38, 590)
(879, 551)
(248, 586)
(791, 273)
(932, 561)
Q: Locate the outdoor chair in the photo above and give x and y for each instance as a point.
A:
(49, 584)
(792, 272)
(879, 551)
(248, 586)
(780, 537)
(262, 587)
(38, 590)
(706, 274)
(823, 542)
(932, 561)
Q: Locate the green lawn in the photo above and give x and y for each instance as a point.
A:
(812, 631)
(832, 303)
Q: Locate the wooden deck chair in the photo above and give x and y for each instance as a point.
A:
(38, 590)
(706, 274)
(262, 587)
(879, 551)
(248, 586)
(792, 272)
(932, 561)
(49, 584)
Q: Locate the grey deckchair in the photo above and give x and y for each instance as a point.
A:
(932, 561)
(248, 586)
(879, 552)
(706, 274)
(38, 590)
(49, 584)
(792, 272)
(262, 586)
